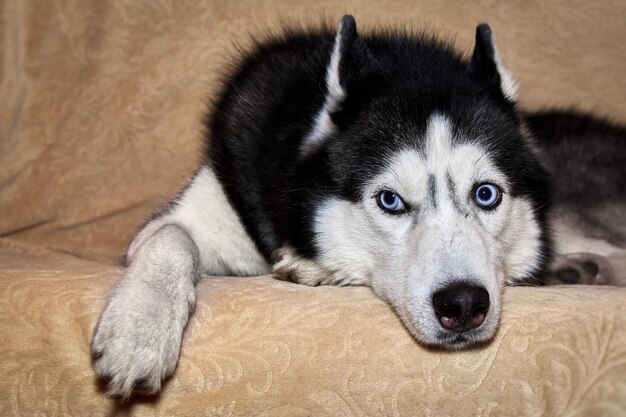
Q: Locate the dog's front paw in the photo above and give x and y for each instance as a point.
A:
(137, 341)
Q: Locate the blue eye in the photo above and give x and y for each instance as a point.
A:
(390, 202)
(487, 195)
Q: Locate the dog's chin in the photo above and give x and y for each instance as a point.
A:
(455, 341)
(429, 332)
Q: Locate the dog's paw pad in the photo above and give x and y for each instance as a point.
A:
(590, 267)
(141, 384)
(582, 268)
(568, 275)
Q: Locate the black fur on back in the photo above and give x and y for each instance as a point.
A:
(587, 157)
(588, 154)
(269, 104)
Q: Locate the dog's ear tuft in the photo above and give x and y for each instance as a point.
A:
(486, 64)
(347, 29)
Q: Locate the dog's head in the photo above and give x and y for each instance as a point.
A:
(440, 198)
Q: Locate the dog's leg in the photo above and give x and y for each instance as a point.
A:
(137, 340)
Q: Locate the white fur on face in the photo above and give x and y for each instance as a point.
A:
(445, 237)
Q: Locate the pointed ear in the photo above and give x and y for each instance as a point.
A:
(349, 60)
(337, 72)
(486, 64)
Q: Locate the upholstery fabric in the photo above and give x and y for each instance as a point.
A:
(258, 346)
(101, 107)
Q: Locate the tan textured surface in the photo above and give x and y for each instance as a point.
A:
(100, 104)
(257, 346)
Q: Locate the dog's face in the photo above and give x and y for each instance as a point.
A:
(437, 231)
(438, 224)
(442, 201)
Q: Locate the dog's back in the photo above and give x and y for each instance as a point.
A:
(586, 156)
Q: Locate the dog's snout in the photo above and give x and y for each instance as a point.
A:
(461, 306)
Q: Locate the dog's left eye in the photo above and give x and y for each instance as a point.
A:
(390, 202)
(487, 195)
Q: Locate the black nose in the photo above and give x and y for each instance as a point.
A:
(461, 306)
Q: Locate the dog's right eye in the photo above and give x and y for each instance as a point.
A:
(390, 202)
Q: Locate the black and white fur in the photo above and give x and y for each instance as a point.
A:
(586, 156)
(308, 132)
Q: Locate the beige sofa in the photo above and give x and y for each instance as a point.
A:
(100, 110)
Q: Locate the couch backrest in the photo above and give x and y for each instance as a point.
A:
(101, 102)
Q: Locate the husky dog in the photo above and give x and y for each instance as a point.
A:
(385, 160)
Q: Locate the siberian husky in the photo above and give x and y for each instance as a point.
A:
(387, 160)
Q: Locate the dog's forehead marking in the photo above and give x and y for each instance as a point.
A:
(443, 172)
(454, 196)
(432, 190)
(438, 155)
(438, 144)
